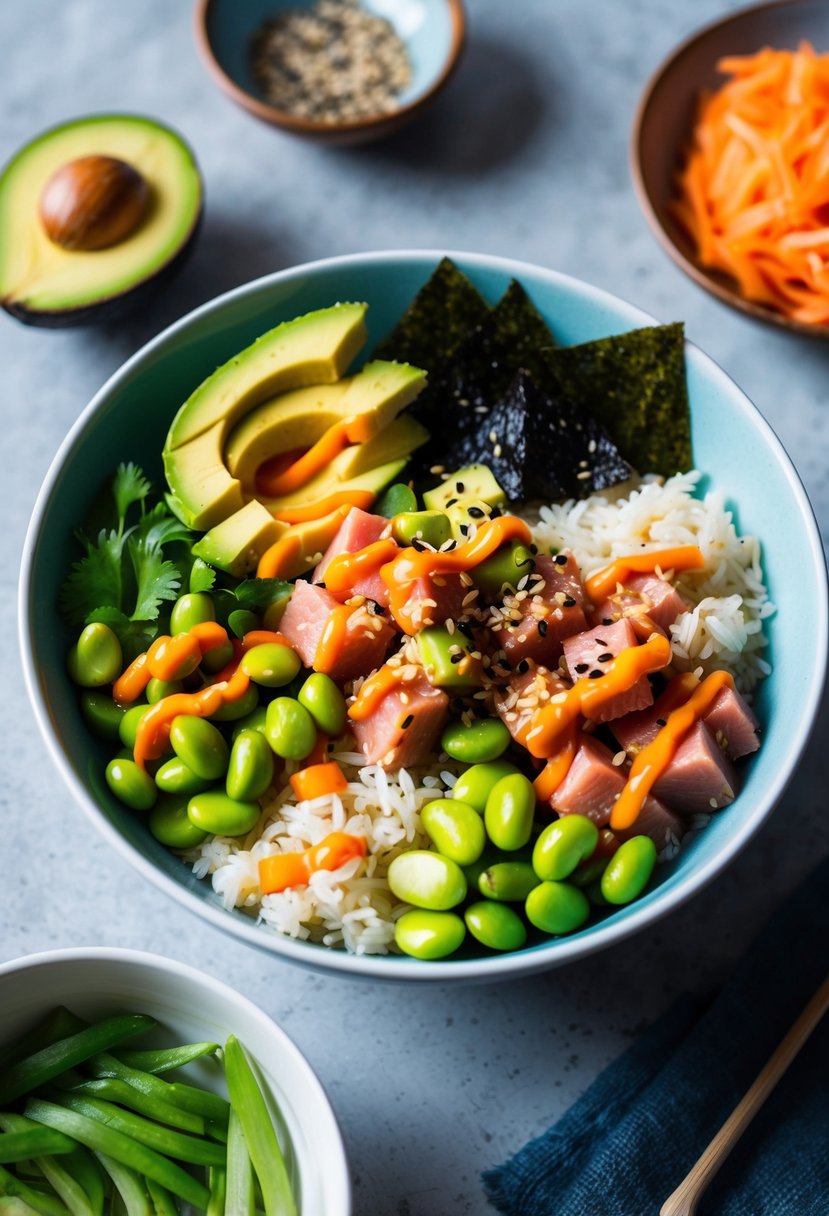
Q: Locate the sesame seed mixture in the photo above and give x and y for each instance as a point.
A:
(332, 62)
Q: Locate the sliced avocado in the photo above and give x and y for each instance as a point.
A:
(46, 283)
(467, 496)
(316, 492)
(345, 471)
(372, 398)
(202, 492)
(312, 349)
(236, 544)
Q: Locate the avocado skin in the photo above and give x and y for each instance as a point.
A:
(113, 308)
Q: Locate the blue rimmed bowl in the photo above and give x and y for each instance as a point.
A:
(733, 445)
(433, 32)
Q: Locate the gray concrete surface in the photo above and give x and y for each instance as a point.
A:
(526, 155)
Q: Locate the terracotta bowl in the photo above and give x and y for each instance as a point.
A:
(433, 31)
(664, 118)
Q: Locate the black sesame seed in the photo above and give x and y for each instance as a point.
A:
(451, 502)
(580, 667)
(476, 513)
(523, 667)
(560, 559)
(419, 546)
(464, 628)
(407, 721)
(459, 487)
(463, 529)
(456, 658)
(601, 642)
(542, 628)
(596, 674)
(604, 658)
(533, 549)
(607, 620)
(569, 602)
(661, 722)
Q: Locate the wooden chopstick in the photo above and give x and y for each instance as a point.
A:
(684, 1200)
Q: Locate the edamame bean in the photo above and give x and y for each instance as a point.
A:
(629, 870)
(427, 880)
(562, 845)
(477, 743)
(130, 784)
(171, 825)
(252, 721)
(175, 777)
(242, 621)
(509, 812)
(474, 785)
(250, 771)
(325, 703)
(191, 609)
(495, 925)
(290, 729)
(557, 907)
(508, 881)
(96, 657)
(232, 711)
(455, 829)
(128, 725)
(200, 745)
(217, 658)
(216, 813)
(433, 527)
(101, 714)
(429, 935)
(271, 664)
(398, 497)
(156, 690)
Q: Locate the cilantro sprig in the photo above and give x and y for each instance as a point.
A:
(125, 576)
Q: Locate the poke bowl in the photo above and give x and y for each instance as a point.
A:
(373, 807)
(177, 1021)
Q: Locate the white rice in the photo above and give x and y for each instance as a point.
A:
(353, 906)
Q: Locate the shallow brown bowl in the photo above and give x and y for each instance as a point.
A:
(433, 31)
(665, 115)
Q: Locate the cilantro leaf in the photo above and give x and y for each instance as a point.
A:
(156, 578)
(129, 485)
(202, 576)
(258, 593)
(94, 580)
(134, 636)
(159, 527)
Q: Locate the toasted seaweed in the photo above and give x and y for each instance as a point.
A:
(442, 313)
(634, 384)
(538, 447)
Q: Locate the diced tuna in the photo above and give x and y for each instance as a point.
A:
(552, 611)
(645, 599)
(367, 636)
(358, 530)
(517, 703)
(404, 728)
(733, 724)
(592, 784)
(593, 650)
(699, 777)
(657, 821)
(431, 601)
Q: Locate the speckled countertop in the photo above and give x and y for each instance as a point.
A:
(526, 156)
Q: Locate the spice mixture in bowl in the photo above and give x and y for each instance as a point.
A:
(463, 708)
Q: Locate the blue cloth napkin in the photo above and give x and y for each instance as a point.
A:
(633, 1136)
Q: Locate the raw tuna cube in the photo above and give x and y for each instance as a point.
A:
(733, 724)
(367, 636)
(554, 610)
(699, 777)
(592, 651)
(657, 821)
(405, 727)
(592, 785)
(644, 596)
(516, 704)
(431, 601)
(357, 530)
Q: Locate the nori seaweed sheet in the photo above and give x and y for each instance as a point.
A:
(442, 313)
(635, 385)
(480, 370)
(547, 449)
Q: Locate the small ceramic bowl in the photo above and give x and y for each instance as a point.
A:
(760, 486)
(664, 118)
(191, 1006)
(433, 31)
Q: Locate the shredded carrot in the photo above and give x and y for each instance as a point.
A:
(754, 191)
(284, 870)
(318, 779)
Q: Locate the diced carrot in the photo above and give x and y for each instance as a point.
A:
(318, 779)
(284, 870)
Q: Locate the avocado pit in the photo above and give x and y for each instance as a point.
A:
(93, 202)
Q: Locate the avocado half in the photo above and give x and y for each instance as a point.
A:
(42, 283)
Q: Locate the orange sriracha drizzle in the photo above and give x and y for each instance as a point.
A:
(372, 692)
(558, 765)
(655, 757)
(587, 696)
(605, 581)
(332, 638)
(316, 510)
(284, 870)
(273, 482)
(165, 659)
(279, 559)
(343, 571)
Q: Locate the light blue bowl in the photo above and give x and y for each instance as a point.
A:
(733, 445)
(432, 30)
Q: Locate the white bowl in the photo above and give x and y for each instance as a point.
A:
(191, 1006)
